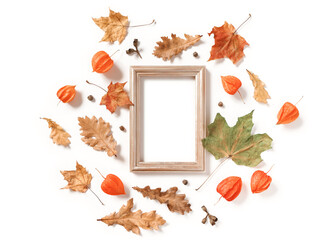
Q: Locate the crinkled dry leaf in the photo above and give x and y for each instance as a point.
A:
(115, 97)
(260, 94)
(115, 26)
(227, 43)
(131, 221)
(171, 47)
(236, 142)
(78, 180)
(175, 202)
(97, 134)
(58, 134)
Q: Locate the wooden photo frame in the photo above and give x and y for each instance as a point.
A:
(137, 74)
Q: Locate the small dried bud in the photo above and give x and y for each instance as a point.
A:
(204, 209)
(129, 51)
(90, 98)
(122, 128)
(212, 222)
(204, 220)
(220, 104)
(135, 42)
(185, 182)
(213, 218)
(195, 54)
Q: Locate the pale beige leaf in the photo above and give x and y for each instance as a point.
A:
(260, 94)
(78, 180)
(58, 134)
(168, 48)
(133, 221)
(97, 134)
(115, 27)
(175, 202)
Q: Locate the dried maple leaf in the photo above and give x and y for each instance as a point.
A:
(236, 142)
(115, 26)
(171, 47)
(58, 134)
(260, 94)
(115, 96)
(227, 43)
(131, 221)
(175, 202)
(97, 134)
(78, 180)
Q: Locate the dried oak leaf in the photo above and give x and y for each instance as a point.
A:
(236, 142)
(97, 134)
(260, 94)
(171, 47)
(131, 221)
(58, 134)
(78, 180)
(115, 96)
(227, 43)
(115, 27)
(175, 202)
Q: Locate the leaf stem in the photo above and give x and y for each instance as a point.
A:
(299, 100)
(100, 173)
(114, 52)
(241, 97)
(211, 174)
(218, 200)
(96, 85)
(153, 22)
(243, 23)
(96, 196)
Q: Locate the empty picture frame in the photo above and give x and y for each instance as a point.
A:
(138, 74)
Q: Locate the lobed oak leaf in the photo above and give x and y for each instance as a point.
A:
(169, 48)
(175, 202)
(78, 180)
(236, 142)
(97, 134)
(260, 94)
(133, 221)
(58, 134)
(115, 27)
(115, 97)
(227, 43)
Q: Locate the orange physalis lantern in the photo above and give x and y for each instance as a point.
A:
(231, 84)
(230, 187)
(101, 62)
(260, 181)
(112, 185)
(67, 93)
(288, 113)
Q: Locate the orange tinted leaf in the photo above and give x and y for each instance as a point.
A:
(115, 96)
(227, 43)
(288, 113)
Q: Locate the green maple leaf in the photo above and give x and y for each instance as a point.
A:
(236, 142)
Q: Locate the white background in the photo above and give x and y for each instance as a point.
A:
(48, 44)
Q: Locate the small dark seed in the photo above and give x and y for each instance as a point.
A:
(185, 182)
(135, 42)
(90, 97)
(195, 54)
(220, 104)
(129, 51)
(122, 128)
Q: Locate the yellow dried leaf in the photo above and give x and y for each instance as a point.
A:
(131, 221)
(115, 27)
(260, 94)
(175, 202)
(78, 180)
(168, 48)
(58, 134)
(97, 134)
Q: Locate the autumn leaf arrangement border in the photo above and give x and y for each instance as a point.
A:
(244, 150)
